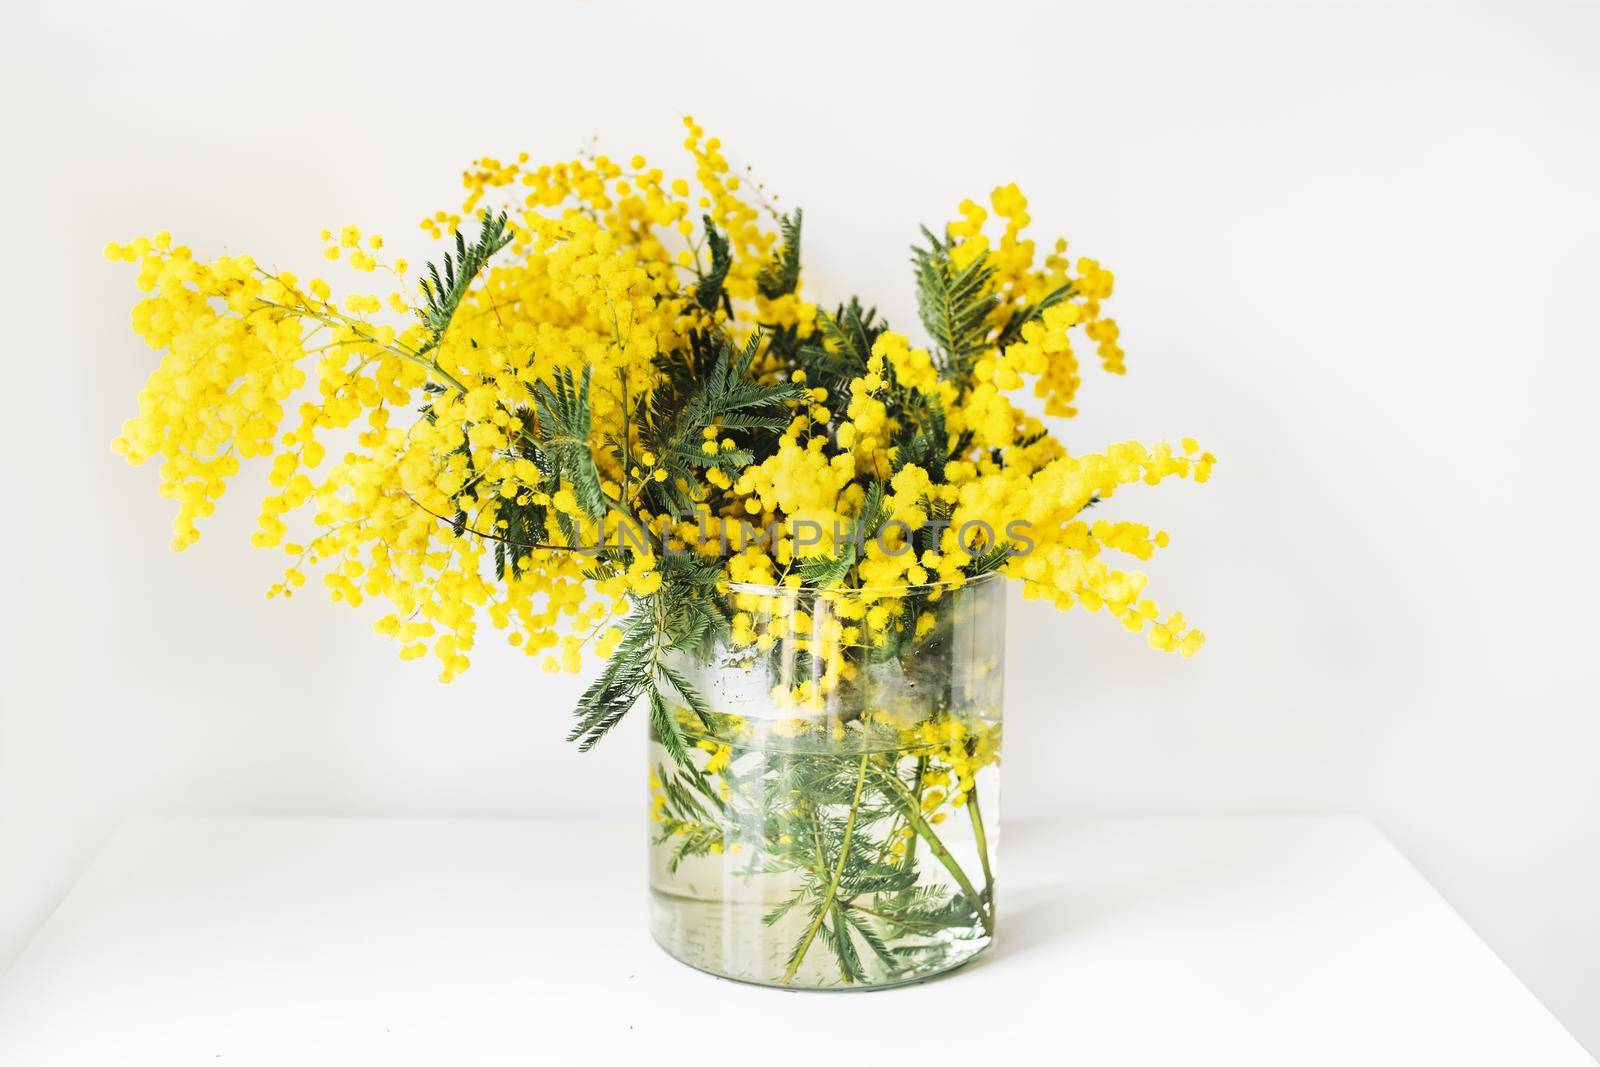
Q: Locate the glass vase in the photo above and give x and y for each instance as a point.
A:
(826, 818)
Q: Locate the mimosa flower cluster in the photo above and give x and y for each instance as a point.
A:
(609, 354)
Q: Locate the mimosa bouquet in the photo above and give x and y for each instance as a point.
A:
(608, 420)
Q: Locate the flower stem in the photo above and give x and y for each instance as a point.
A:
(982, 842)
(920, 825)
(833, 883)
(911, 845)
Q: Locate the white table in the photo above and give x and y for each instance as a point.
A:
(291, 942)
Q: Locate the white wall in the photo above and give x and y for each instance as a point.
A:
(1358, 253)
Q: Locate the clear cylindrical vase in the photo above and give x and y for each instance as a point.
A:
(824, 806)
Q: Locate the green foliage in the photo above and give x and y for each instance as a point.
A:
(990, 559)
(523, 529)
(955, 304)
(1012, 330)
(624, 679)
(924, 438)
(708, 293)
(824, 571)
(564, 435)
(664, 727)
(445, 287)
(849, 334)
(691, 813)
(680, 620)
(781, 274)
(871, 513)
(693, 398)
(731, 397)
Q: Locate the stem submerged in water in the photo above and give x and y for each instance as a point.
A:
(833, 884)
(936, 846)
(911, 845)
(982, 840)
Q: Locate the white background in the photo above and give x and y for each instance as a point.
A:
(1358, 255)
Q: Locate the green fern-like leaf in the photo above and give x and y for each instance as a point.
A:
(446, 286)
(665, 729)
(849, 334)
(730, 397)
(563, 434)
(708, 294)
(620, 684)
(955, 304)
(925, 439)
(691, 696)
(781, 274)
(990, 559)
(823, 571)
(1013, 327)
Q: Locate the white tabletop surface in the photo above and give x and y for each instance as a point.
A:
(458, 942)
